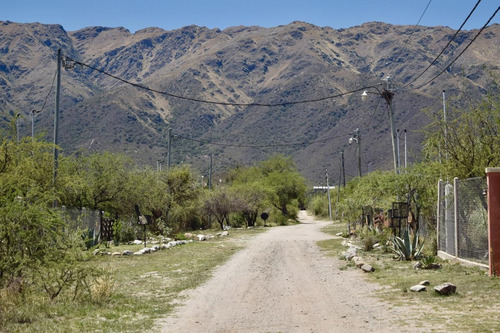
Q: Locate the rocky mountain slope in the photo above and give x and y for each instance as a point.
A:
(241, 65)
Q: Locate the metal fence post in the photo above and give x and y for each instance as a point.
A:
(438, 214)
(455, 213)
(449, 220)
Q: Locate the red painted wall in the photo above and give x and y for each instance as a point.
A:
(493, 176)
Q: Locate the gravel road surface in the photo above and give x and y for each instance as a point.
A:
(281, 282)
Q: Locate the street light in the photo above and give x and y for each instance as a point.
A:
(387, 95)
(328, 195)
(356, 138)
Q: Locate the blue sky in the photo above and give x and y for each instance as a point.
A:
(169, 15)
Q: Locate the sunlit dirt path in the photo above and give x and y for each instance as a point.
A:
(281, 282)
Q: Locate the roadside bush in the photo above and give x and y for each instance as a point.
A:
(128, 232)
(318, 205)
(293, 210)
(368, 243)
(370, 236)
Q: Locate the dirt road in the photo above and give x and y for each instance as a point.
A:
(281, 282)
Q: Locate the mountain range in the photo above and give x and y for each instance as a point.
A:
(243, 93)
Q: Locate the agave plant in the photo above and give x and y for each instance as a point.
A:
(429, 262)
(408, 247)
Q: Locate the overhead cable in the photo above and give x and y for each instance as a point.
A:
(465, 49)
(47, 96)
(415, 26)
(199, 100)
(442, 51)
(305, 143)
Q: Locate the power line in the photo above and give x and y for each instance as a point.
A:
(225, 144)
(416, 25)
(48, 94)
(373, 114)
(411, 33)
(198, 100)
(465, 49)
(442, 51)
(232, 104)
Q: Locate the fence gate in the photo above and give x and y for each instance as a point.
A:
(107, 229)
(399, 216)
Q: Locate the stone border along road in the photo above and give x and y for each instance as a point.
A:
(281, 282)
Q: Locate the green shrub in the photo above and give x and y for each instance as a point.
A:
(372, 236)
(128, 233)
(368, 243)
(180, 236)
(293, 210)
(318, 205)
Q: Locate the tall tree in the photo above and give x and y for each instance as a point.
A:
(220, 204)
(469, 141)
(287, 184)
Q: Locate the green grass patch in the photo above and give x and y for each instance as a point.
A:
(143, 289)
(334, 228)
(474, 308)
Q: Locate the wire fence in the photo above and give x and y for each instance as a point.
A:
(85, 220)
(463, 219)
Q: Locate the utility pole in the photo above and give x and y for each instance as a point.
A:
(406, 156)
(169, 148)
(33, 124)
(210, 173)
(343, 168)
(359, 152)
(328, 191)
(388, 96)
(357, 138)
(445, 126)
(17, 128)
(56, 115)
(397, 143)
(340, 182)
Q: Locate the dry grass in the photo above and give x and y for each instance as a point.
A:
(474, 307)
(135, 292)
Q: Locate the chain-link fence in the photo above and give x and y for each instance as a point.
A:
(463, 219)
(85, 219)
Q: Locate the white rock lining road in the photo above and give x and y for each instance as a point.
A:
(281, 282)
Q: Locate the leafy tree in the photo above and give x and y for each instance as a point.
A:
(32, 237)
(220, 204)
(287, 184)
(182, 199)
(98, 181)
(379, 189)
(274, 182)
(468, 142)
(251, 199)
(252, 192)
